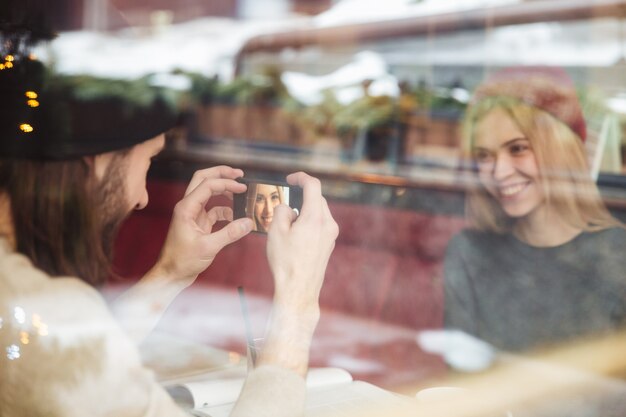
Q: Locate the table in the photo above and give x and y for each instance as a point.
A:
(204, 328)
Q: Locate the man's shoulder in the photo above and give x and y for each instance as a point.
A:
(19, 275)
(28, 288)
(58, 331)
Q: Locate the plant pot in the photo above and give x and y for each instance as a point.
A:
(385, 142)
(377, 142)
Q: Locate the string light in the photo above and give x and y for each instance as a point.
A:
(19, 314)
(8, 62)
(37, 320)
(33, 103)
(42, 328)
(30, 94)
(13, 352)
(26, 128)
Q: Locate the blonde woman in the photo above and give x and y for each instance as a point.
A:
(543, 260)
(262, 198)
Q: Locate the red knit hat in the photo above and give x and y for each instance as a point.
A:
(547, 88)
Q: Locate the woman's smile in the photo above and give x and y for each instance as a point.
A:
(511, 191)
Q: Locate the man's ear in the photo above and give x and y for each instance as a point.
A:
(98, 163)
(89, 161)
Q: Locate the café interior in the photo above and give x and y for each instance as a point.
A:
(370, 99)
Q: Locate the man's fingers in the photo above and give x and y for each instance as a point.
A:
(221, 171)
(193, 203)
(301, 179)
(220, 213)
(284, 216)
(215, 214)
(311, 189)
(325, 207)
(330, 221)
(232, 232)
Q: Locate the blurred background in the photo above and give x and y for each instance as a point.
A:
(347, 87)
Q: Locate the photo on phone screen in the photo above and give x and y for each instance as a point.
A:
(259, 201)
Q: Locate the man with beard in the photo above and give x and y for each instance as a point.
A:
(70, 170)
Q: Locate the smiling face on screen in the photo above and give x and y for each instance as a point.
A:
(267, 197)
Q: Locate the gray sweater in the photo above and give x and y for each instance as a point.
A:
(519, 297)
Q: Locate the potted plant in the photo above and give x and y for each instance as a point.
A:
(369, 125)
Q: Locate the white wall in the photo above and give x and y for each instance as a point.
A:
(259, 9)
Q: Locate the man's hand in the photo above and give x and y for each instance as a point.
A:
(191, 246)
(189, 249)
(298, 250)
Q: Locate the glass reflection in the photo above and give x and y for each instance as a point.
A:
(13, 352)
(19, 314)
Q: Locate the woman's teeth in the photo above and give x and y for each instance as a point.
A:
(512, 190)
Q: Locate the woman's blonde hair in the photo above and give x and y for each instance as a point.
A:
(563, 168)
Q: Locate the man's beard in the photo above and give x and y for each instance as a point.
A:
(111, 202)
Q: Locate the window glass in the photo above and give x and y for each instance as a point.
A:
(472, 153)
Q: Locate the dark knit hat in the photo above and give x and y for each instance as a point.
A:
(546, 88)
(46, 116)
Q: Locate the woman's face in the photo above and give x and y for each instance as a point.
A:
(507, 166)
(267, 197)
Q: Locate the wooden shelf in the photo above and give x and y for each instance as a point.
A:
(402, 186)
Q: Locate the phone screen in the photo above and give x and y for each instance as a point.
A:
(259, 201)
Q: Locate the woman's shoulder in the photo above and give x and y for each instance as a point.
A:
(609, 240)
(616, 232)
(474, 240)
(476, 236)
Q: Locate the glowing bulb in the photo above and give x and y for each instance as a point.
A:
(1, 67)
(33, 103)
(24, 338)
(8, 64)
(13, 352)
(36, 320)
(26, 128)
(9, 58)
(30, 94)
(19, 314)
(32, 57)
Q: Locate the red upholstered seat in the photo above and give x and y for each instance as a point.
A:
(386, 264)
(358, 280)
(416, 296)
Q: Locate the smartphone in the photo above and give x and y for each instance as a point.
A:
(258, 202)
